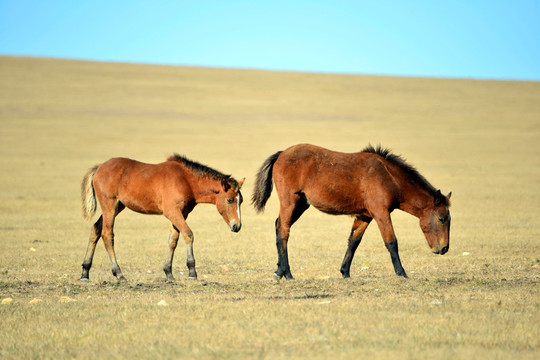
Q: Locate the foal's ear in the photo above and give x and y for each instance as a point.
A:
(225, 184)
(240, 183)
(449, 195)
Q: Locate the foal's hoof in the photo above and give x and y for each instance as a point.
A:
(278, 277)
(83, 279)
(192, 278)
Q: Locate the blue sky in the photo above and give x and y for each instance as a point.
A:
(464, 39)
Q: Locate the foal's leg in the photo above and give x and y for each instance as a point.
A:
(290, 210)
(179, 222)
(190, 258)
(108, 236)
(95, 234)
(359, 227)
(387, 231)
(173, 241)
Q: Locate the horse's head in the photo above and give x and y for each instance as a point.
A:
(228, 203)
(435, 223)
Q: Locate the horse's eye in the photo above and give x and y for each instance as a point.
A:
(442, 220)
(229, 201)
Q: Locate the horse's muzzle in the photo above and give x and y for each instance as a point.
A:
(442, 251)
(236, 227)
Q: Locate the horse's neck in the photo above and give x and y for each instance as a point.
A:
(414, 198)
(205, 189)
(415, 202)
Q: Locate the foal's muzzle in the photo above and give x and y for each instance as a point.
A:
(235, 227)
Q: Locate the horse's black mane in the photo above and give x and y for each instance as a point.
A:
(204, 170)
(415, 176)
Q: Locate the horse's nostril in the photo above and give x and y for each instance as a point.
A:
(444, 250)
(236, 227)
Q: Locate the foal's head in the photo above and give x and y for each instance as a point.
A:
(435, 223)
(228, 201)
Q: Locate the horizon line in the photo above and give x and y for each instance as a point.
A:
(222, 67)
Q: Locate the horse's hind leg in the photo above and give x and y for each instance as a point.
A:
(173, 241)
(290, 211)
(359, 227)
(95, 234)
(108, 237)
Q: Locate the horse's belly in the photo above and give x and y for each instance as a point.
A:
(336, 205)
(143, 207)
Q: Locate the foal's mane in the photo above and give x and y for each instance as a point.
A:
(203, 170)
(410, 170)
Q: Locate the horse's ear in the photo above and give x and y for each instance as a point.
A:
(437, 199)
(225, 184)
(440, 199)
(240, 183)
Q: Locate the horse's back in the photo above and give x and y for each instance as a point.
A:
(333, 182)
(309, 163)
(137, 185)
(109, 174)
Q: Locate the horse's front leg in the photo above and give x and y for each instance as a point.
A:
(387, 231)
(179, 223)
(173, 241)
(359, 227)
(190, 258)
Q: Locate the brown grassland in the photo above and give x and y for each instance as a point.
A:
(478, 139)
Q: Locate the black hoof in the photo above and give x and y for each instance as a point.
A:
(403, 274)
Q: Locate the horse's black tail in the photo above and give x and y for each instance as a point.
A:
(263, 183)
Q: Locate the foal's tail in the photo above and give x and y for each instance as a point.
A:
(263, 183)
(88, 196)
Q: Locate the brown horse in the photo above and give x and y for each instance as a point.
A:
(172, 188)
(367, 185)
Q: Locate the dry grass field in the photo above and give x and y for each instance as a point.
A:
(478, 139)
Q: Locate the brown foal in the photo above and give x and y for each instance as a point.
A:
(172, 188)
